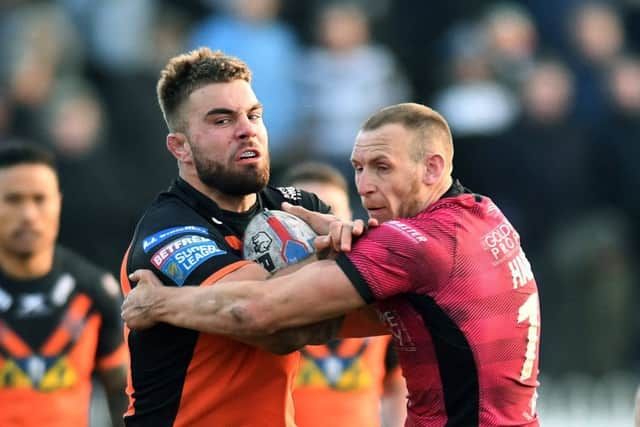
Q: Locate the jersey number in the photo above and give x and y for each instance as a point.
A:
(529, 311)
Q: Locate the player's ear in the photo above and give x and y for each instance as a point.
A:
(434, 165)
(178, 146)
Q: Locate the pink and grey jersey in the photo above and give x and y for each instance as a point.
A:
(458, 293)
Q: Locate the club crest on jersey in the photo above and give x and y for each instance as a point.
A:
(40, 373)
(155, 239)
(181, 256)
(337, 370)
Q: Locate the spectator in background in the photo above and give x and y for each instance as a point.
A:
(479, 107)
(475, 103)
(551, 21)
(543, 198)
(598, 37)
(346, 382)
(97, 218)
(345, 78)
(512, 39)
(58, 313)
(548, 185)
(617, 148)
(44, 46)
(250, 29)
(122, 65)
(121, 52)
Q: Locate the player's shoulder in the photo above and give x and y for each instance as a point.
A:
(403, 237)
(179, 242)
(168, 218)
(167, 212)
(83, 275)
(274, 196)
(455, 213)
(404, 229)
(76, 264)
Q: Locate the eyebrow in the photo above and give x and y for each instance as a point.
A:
(221, 110)
(374, 159)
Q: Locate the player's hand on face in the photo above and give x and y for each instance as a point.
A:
(137, 309)
(334, 234)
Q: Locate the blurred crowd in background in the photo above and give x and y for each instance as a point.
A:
(543, 98)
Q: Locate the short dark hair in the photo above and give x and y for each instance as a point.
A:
(426, 122)
(22, 153)
(188, 72)
(315, 172)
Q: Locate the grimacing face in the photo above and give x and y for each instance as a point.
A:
(389, 182)
(30, 203)
(228, 139)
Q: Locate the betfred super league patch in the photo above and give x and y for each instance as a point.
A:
(155, 239)
(183, 255)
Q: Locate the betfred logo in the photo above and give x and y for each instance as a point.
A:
(169, 249)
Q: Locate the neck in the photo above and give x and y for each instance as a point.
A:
(226, 202)
(27, 267)
(439, 190)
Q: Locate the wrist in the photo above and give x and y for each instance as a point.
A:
(158, 309)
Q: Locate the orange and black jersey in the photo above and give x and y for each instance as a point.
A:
(182, 377)
(341, 383)
(54, 331)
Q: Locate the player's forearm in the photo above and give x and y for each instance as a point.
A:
(200, 309)
(292, 339)
(258, 308)
(217, 309)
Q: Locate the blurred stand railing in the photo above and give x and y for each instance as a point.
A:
(573, 401)
(583, 401)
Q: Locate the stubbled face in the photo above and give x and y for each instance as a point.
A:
(332, 195)
(389, 182)
(228, 139)
(29, 209)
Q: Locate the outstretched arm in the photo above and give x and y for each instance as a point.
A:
(316, 292)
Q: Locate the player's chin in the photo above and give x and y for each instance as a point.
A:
(379, 214)
(254, 167)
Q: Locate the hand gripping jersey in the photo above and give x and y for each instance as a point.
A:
(181, 377)
(457, 291)
(54, 331)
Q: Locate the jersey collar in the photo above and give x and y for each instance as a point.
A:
(456, 189)
(202, 204)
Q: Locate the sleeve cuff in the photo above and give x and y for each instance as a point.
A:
(355, 277)
(219, 274)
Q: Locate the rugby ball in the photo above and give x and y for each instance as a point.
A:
(277, 239)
